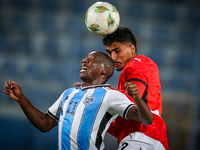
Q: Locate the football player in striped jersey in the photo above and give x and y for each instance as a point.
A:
(84, 114)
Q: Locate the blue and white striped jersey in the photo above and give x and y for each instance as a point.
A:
(85, 114)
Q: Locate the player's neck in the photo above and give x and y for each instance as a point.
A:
(97, 82)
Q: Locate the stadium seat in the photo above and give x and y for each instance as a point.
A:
(194, 17)
(9, 68)
(50, 5)
(185, 61)
(19, 20)
(51, 47)
(23, 44)
(157, 55)
(21, 4)
(47, 22)
(180, 83)
(56, 72)
(4, 43)
(32, 71)
(166, 12)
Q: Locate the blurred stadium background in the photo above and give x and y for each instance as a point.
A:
(42, 43)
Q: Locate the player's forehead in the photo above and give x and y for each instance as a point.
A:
(116, 45)
(94, 55)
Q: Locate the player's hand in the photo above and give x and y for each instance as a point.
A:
(77, 84)
(132, 90)
(13, 90)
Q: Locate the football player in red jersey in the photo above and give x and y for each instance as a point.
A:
(141, 70)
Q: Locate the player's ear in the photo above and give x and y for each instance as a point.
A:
(133, 50)
(106, 70)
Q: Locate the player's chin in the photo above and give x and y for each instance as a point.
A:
(82, 75)
(118, 68)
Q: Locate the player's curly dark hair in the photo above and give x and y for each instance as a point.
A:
(122, 34)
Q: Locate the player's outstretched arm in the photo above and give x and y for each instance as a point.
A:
(142, 112)
(39, 119)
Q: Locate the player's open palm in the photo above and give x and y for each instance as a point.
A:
(13, 90)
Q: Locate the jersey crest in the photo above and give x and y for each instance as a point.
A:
(88, 100)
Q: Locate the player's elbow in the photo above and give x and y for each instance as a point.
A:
(148, 121)
(43, 130)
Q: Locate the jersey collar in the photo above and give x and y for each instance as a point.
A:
(94, 86)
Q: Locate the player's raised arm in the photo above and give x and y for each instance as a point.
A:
(39, 119)
(142, 111)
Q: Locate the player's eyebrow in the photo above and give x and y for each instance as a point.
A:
(113, 49)
(94, 57)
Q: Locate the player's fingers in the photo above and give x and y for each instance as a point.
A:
(7, 85)
(13, 82)
(6, 91)
(77, 84)
(10, 83)
(130, 85)
(126, 86)
(6, 88)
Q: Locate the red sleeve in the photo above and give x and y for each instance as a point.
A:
(139, 75)
(145, 75)
(141, 86)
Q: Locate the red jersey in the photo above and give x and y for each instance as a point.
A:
(144, 73)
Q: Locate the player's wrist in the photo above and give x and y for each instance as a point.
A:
(136, 97)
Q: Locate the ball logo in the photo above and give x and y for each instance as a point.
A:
(111, 21)
(94, 27)
(88, 100)
(101, 9)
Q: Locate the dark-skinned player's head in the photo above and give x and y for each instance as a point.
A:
(96, 66)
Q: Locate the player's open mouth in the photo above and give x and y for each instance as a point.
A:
(83, 68)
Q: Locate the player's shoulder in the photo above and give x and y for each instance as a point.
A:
(114, 92)
(72, 89)
(69, 90)
(141, 61)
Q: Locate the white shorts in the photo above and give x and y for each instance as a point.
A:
(140, 141)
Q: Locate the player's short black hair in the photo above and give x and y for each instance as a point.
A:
(107, 62)
(122, 35)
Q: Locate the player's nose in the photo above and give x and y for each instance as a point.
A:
(84, 60)
(113, 55)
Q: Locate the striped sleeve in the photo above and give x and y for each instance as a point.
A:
(119, 103)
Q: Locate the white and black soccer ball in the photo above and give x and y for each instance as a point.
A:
(102, 18)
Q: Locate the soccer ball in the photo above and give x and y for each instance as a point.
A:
(102, 18)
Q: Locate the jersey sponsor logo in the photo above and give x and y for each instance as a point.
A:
(88, 100)
(138, 59)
